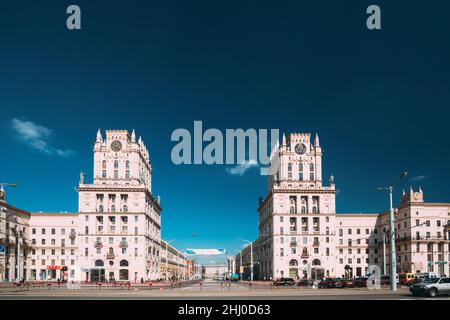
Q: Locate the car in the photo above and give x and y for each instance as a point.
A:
(284, 282)
(360, 282)
(330, 283)
(385, 279)
(406, 278)
(431, 287)
(306, 283)
(347, 282)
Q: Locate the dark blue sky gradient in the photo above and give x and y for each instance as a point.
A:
(379, 100)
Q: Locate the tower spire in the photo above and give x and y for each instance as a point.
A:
(133, 136)
(284, 139)
(316, 141)
(99, 136)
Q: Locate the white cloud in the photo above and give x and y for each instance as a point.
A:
(419, 177)
(37, 137)
(240, 169)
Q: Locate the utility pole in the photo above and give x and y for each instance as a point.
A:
(384, 253)
(392, 260)
(18, 254)
(392, 236)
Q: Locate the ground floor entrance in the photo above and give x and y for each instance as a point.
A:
(98, 275)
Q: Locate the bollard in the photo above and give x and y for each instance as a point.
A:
(250, 286)
(179, 287)
(201, 284)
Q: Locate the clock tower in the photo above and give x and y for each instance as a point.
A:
(298, 213)
(119, 219)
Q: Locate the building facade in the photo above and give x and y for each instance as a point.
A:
(301, 236)
(174, 265)
(114, 236)
(14, 241)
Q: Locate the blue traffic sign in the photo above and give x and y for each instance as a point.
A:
(2, 249)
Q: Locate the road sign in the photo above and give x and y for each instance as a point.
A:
(441, 262)
(2, 249)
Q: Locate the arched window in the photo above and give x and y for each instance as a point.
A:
(311, 167)
(293, 262)
(289, 166)
(99, 263)
(316, 262)
(292, 210)
(303, 209)
(113, 208)
(314, 209)
(300, 167)
(111, 250)
(123, 263)
(104, 164)
(100, 208)
(127, 164)
(116, 164)
(125, 208)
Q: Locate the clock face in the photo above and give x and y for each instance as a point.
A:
(300, 148)
(116, 145)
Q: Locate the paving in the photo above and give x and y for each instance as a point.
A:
(207, 290)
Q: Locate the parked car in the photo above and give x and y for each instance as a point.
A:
(306, 283)
(360, 282)
(284, 282)
(330, 283)
(386, 279)
(347, 282)
(406, 278)
(431, 287)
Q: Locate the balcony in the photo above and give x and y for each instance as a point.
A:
(316, 243)
(123, 244)
(98, 244)
(72, 235)
(110, 256)
(293, 243)
(305, 255)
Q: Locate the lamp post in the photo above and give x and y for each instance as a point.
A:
(251, 259)
(392, 260)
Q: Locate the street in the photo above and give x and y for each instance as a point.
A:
(209, 289)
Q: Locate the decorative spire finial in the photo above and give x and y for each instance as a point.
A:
(99, 136)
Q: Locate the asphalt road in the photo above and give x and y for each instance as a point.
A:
(210, 289)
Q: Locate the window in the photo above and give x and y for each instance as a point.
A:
(311, 176)
(116, 174)
(113, 208)
(417, 222)
(289, 166)
(127, 174)
(104, 164)
(43, 231)
(127, 164)
(33, 231)
(116, 164)
(103, 173)
(100, 209)
(311, 167)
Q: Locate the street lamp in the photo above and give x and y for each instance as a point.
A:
(393, 260)
(251, 258)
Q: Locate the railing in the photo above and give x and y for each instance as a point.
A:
(304, 256)
(293, 243)
(98, 244)
(123, 244)
(316, 243)
(110, 256)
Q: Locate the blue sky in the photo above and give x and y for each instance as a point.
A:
(379, 100)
